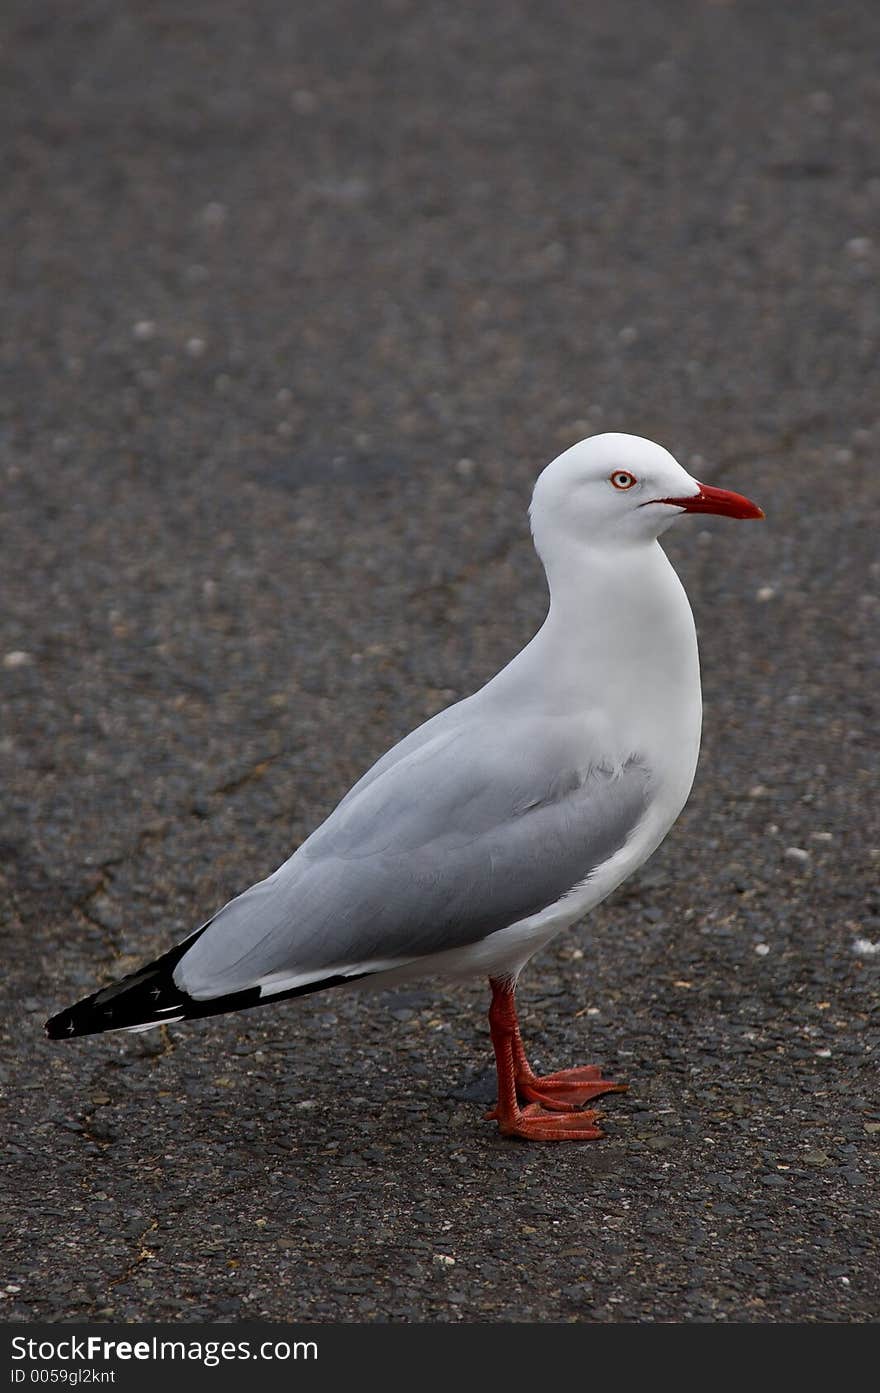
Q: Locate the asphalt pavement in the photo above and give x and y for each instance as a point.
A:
(299, 299)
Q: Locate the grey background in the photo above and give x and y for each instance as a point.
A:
(299, 300)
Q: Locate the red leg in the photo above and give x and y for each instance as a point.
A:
(562, 1092)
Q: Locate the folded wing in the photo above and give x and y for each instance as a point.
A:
(474, 828)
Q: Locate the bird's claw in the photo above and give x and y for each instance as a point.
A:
(565, 1091)
(534, 1123)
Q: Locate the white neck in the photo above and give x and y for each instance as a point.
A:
(614, 612)
(605, 590)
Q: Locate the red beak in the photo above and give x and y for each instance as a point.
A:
(710, 500)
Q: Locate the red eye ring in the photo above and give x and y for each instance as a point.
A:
(622, 479)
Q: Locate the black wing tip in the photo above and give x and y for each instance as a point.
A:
(80, 1019)
(61, 1026)
(145, 997)
(150, 997)
(132, 1002)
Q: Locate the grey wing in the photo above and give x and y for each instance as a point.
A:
(472, 830)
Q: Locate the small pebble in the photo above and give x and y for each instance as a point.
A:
(865, 948)
(195, 347)
(796, 853)
(822, 103)
(144, 329)
(214, 215)
(762, 949)
(765, 593)
(443, 1260)
(859, 247)
(17, 658)
(303, 101)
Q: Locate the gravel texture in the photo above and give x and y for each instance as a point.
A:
(300, 300)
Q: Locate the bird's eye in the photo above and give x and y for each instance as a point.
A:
(622, 479)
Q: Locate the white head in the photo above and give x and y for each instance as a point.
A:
(619, 490)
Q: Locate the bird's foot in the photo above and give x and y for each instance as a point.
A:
(533, 1123)
(568, 1088)
(539, 1108)
(565, 1091)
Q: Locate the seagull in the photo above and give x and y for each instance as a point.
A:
(503, 819)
